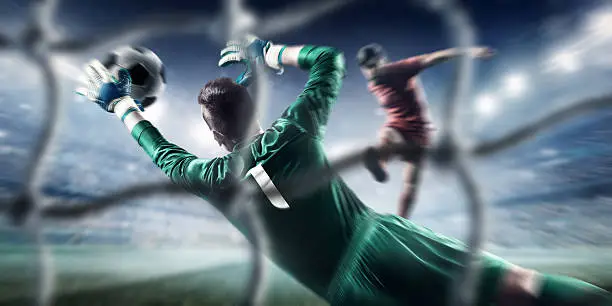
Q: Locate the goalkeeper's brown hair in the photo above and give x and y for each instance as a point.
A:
(230, 107)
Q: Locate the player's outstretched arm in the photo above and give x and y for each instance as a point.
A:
(182, 167)
(410, 67)
(438, 57)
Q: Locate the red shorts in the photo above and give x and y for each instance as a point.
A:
(392, 136)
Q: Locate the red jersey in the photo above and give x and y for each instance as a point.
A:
(400, 94)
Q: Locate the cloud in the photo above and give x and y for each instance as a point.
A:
(553, 162)
(12, 150)
(592, 41)
(548, 152)
(17, 73)
(68, 68)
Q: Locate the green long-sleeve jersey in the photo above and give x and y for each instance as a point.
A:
(306, 234)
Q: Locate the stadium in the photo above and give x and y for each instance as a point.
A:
(547, 197)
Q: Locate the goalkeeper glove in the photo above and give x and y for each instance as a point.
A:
(250, 52)
(103, 89)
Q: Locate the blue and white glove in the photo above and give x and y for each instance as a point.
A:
(249, 52)
(103, 89)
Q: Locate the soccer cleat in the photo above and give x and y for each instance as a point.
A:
(372, 163)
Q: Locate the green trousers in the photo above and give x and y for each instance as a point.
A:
(392, 261)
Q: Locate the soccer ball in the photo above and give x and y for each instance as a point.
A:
(146, 69)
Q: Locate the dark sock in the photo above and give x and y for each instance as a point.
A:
(565, 291)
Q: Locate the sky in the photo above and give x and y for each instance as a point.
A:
(550, 54)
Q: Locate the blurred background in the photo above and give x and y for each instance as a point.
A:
(548, 198)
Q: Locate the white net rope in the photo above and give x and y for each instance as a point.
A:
(449, 153)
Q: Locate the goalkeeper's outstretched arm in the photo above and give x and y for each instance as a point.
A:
(325, 64)
(202, 177)
(127, 111)
(326, 70)
(183, 168)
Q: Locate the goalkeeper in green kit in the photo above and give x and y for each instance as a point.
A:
(328, 239)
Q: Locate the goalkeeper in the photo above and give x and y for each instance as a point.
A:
(328, 240)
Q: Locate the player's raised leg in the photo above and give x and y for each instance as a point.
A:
(376, 158)
(392, 144)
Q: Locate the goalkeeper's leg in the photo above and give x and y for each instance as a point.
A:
(400, 263)
(527, 287)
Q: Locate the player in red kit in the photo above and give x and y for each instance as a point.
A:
(397, 88)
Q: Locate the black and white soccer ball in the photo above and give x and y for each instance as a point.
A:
(146, 69)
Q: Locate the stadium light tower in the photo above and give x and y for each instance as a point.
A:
(515, 85)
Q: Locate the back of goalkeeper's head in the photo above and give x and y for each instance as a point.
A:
(371, 56)
(228, 111)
